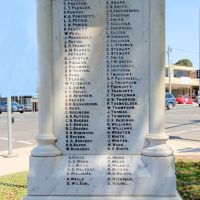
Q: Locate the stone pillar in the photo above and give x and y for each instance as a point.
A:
(46, 138)
(156, 139)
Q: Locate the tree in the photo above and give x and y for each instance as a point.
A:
(184, 62)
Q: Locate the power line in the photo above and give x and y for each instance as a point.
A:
(186, 51)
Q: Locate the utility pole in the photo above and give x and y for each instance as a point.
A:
(169, 68)
(10, 132)
(199, 56)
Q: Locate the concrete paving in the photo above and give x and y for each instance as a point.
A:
(185, 149)
(18, 163)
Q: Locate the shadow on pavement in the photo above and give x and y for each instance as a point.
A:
(189, 150)
(192, 122)
(180, 138)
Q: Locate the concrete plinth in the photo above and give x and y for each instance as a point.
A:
(177, 197)
(144, 176)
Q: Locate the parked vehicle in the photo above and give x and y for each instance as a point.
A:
(170, 101)
(15, 107)
(198, 100)
(27, 107)
(184, 99)
(3, 104)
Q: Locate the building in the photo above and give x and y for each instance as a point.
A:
(183, 80)
(30, 103)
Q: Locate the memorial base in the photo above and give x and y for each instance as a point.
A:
(177, 197)
(102, 177)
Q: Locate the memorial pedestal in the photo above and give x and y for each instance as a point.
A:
(177, 197)
(57, 178)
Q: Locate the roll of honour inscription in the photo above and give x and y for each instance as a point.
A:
(105, 93)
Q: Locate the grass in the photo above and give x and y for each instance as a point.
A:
(187, 172)
(13, 193)
(188, 179)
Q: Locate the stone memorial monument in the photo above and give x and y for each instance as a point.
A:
(101, 113)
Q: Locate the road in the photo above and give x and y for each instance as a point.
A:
(183, 123)
(25, 129)
(182, 126)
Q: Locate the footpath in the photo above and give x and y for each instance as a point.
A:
(18, 163)
(182, 150)
(189, 150)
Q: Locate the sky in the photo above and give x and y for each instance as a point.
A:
(182, 30)
(18, 46)
(18, 49)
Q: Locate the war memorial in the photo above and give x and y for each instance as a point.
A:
(101, 124)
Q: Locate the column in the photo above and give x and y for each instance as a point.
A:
(156, 139)
(46, 138)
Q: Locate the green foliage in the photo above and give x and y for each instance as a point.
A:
(184, 62)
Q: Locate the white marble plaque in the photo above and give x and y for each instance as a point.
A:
(101, 75)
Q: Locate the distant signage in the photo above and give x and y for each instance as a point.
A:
(198, 73)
